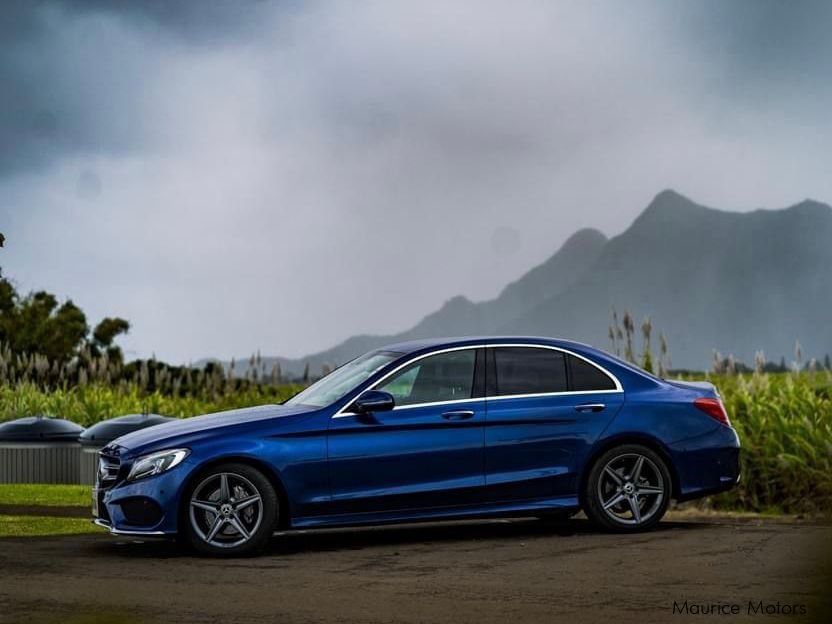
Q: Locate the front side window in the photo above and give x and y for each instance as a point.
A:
(342, 380)
(529, 370)
(442, 377)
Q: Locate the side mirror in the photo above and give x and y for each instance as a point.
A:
(374, 401)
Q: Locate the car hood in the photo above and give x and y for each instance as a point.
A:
(200, 424)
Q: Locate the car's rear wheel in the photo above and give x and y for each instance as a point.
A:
(628, 489)
(232, 511)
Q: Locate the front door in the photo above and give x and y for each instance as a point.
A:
(425, 453)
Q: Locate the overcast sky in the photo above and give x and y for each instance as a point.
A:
(280, 175)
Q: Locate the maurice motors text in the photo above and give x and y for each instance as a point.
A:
(733, 608)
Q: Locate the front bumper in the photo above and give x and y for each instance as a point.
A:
(148, 507)
(139, 532)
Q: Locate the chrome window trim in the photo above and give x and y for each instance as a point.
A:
(341, 413)
(533, 395)
(404, 407)
(618, 387)
(431, 403)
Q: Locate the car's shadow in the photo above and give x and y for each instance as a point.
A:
(327, 540)
(469, 531)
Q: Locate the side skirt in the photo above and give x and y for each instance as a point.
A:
(511, 508)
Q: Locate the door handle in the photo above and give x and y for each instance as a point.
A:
(590, 407)
(458, 415)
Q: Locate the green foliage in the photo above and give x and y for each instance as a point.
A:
(106, 331)
(38, 324)
(647, 361)
(647, 353)
(94, 402)
(785, 425)
(104, 335)
(8, 296)
(622, 336)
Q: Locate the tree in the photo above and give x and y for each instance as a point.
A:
(106, 331)
(8, 297)
(38, 324)
(105, 334)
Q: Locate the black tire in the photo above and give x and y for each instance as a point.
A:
(637, 505)
(238, 532)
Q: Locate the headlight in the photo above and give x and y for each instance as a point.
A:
(155, 463)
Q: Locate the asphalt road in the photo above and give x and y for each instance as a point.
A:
(499, 571)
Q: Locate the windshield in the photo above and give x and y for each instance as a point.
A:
(339, 382)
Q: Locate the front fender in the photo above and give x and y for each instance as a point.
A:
(294, 464)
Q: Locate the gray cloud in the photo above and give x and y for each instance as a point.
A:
(763, 54)
(55, 98)
(281, 175)
(75, 72)
(759, 38)
(208, 21)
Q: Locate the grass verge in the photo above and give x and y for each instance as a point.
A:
(39, 526)
(47, 495)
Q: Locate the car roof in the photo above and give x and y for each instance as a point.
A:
(412, 346)
(624, 371)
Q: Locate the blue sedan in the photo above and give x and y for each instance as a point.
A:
(428, 430)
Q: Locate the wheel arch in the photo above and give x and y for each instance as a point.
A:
(284, 514)
(629, 438)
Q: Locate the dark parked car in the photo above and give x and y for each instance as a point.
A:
(428, 430)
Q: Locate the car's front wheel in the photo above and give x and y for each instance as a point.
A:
(628, 489)
(232, 511)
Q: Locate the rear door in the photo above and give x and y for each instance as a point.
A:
(544, 409)
(425, 453)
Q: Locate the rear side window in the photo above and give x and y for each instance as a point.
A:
(527, 370)
(586, 377)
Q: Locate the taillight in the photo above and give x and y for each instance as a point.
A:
(713, 408)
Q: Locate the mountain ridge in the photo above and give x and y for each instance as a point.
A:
(709, 279)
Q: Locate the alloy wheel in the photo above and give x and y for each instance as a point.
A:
(226, 510)
(631, 489)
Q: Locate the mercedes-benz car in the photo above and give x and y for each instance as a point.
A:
(425, 431)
